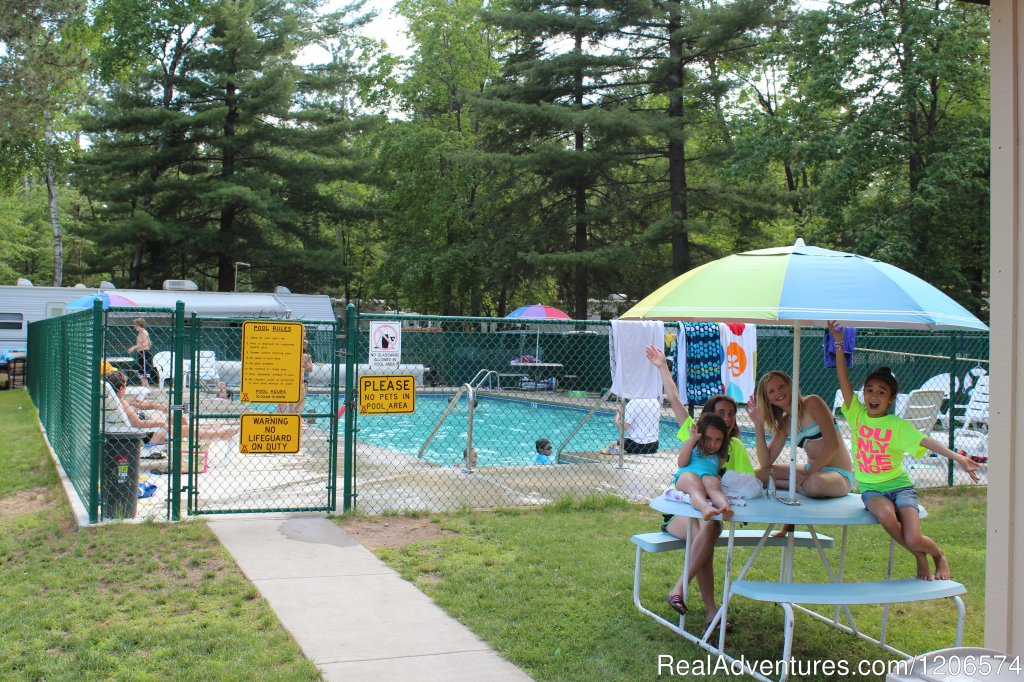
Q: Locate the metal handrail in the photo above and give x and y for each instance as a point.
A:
(479, 377)
(475, 382)
(444, 415)
(584, 420)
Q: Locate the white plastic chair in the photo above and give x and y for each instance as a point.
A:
(206, 372)
(922, 408)
(976, 412)
(164, 366)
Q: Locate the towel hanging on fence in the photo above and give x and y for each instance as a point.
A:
(739, 346)
(633, 376)
(849, 342)
(703, 361)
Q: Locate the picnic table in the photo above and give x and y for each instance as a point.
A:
(842, 512)
(536, 372)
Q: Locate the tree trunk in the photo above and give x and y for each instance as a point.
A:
(580, 200)
(677, 148)
(225, 275)
(51, 191)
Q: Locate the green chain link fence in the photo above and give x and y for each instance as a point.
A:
(487, 390)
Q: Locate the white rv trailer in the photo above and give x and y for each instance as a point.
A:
(24, 303)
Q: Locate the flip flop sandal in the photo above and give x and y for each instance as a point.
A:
(677, 603)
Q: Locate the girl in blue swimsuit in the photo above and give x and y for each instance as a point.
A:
(699, 461)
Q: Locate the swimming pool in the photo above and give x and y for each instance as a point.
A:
(504, 431)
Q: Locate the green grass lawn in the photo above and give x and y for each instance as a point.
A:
(551, 589)
(120, 601)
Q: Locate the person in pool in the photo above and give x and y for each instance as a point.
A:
(544, 449)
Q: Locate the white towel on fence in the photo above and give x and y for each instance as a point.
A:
(680, 496)
(739, 369)
(633, 376)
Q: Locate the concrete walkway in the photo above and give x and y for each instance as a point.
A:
(354, 617)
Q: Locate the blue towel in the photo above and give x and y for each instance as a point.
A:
(849, 341)
(704, 357)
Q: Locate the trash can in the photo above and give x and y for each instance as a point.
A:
(958, 663)
(119, 472)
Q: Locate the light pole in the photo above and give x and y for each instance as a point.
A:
(237, 263)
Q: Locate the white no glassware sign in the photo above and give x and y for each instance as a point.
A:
(385, 344)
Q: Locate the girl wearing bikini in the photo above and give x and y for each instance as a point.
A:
(828, 471)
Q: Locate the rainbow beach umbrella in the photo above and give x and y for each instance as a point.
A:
(804, 285)
(537, 311)
(109, 299)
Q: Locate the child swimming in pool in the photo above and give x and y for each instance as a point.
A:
(878, 442)
(699, 461)
(544, 448)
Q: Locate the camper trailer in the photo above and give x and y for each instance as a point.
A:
(25, 303)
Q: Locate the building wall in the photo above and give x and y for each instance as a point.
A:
(1004, 600)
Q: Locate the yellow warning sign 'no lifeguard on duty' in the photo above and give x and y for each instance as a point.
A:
(271, 361)
(270, 434)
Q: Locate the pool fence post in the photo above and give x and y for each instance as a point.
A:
(350, 367)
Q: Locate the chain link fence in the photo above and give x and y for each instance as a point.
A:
(493, 394)
(64, 383)
(507, 413)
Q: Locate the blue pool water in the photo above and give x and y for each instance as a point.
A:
(504, 431)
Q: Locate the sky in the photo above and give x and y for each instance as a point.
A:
(388, 27)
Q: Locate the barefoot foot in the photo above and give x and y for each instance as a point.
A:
(727, 513)
(709, 512)
(788, 528)
(941, 568)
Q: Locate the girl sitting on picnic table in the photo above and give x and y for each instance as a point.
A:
(699, 460)
(702, 548)
(880, 440)
(828, 471)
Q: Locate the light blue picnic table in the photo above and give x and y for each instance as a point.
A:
(843, 512)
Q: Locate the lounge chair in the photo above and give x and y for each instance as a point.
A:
(163, 363)
(972, 437)
(922, 408)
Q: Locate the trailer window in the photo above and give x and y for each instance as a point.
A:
(12, 321)
(54, 309)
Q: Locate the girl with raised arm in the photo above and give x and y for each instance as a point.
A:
(879, 441)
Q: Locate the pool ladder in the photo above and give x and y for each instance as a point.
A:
(469, 389)
(598, 405)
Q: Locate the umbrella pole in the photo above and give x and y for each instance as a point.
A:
(794, 418)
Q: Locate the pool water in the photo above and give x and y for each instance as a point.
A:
(504, 431)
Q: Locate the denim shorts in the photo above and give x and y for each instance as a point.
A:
(900, 497)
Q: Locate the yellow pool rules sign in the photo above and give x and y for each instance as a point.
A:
(270, 434)
(387, 394)
(272, 361)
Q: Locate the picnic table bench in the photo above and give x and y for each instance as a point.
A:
(788, 594)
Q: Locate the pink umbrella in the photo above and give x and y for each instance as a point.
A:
(537, 311)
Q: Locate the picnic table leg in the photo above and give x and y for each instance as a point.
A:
(832, 576)
(726, 593)
(888, 576)
(690, 523)
(787, 646)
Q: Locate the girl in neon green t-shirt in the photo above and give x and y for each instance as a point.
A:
(878, 444)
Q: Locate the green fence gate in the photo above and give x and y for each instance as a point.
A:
(221, 479)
